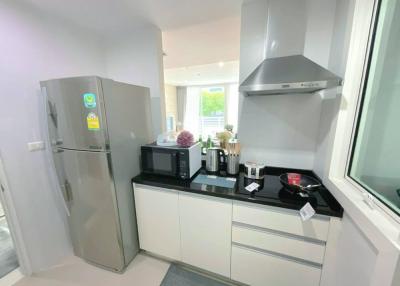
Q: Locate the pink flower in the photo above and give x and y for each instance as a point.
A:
(185, 139)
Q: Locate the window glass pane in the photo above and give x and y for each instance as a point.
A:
(212, 110)
(375, 162)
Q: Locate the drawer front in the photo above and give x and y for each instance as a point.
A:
(281, 220)
(259, 269)
(293, 247)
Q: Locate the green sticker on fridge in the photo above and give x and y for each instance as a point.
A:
(89, 99)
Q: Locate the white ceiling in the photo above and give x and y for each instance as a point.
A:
(201, 44)
(222, 72)
(111, 16)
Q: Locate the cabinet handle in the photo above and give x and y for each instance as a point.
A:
(278, 255)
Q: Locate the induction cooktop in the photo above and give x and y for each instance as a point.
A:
(272, 189)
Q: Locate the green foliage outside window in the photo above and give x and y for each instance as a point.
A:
(212, 101)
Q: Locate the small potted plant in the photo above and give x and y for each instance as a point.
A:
(225, 136)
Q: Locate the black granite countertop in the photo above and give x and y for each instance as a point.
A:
(270, 193)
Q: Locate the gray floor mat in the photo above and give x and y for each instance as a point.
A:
(179, 276)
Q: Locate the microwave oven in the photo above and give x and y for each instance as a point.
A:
(173, 161)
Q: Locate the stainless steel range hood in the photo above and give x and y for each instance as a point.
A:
(291, 74)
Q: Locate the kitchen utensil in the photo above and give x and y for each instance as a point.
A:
(232, 167)
(253, 170)
(306, 184)
(214, 158)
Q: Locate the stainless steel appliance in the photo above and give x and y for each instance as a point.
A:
(254, 170)
(173, 161)
(214, 158)
(291, 74)
(96, 127)
(232, 164)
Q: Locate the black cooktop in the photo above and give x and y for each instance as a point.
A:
(271, 192)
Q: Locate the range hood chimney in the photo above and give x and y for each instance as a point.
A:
(290, 74)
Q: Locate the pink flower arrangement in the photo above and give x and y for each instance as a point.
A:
(185, 139)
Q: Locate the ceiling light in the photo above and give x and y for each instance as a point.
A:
(221, 64)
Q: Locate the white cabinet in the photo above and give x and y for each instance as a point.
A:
(259, 269)
(283, 220)
(206, 232)
(158, 220)
(279, 243)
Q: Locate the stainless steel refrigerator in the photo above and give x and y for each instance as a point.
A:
(96, 127)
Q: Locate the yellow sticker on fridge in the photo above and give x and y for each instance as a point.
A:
(93, 122)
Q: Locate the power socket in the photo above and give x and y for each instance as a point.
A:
(35, 146)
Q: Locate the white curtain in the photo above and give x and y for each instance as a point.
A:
(232, 105)
(192, 111)
(181, 92)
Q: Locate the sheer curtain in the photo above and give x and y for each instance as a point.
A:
(181, 94)
(232, 105)
(192, 111)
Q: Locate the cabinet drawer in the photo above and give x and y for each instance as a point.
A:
(259, 269)
(294, 247)
(281, 220)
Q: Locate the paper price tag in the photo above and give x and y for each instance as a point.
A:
(307, 212)
(231, 179)
(253, 186)
(211, 176)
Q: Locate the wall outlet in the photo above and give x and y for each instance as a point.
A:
(35, 146)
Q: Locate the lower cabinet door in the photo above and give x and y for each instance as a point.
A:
(206, 232)
(158, 221)
(260, 269)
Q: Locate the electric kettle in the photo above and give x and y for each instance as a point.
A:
(214, 158)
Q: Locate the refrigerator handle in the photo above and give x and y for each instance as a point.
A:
(52, 112)
(49, 151)
(68, 191)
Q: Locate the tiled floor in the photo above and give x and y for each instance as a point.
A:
(143, 271)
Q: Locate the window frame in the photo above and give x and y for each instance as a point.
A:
(348, 119)
(358, 116)
(375, 220)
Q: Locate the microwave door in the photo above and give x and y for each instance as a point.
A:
(160, 161)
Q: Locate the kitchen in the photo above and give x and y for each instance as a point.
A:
(219, 232)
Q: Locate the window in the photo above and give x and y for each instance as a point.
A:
(212, 110)
(375, 159)
(208, 109)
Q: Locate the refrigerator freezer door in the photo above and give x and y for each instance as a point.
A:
(94, 221)
(76, 113)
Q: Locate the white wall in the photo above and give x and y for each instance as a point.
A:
(279, 130)
(296, 130)
(336, 60)
(35, 47)
(136, 58)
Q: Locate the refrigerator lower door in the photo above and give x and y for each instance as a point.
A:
(94, 220)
